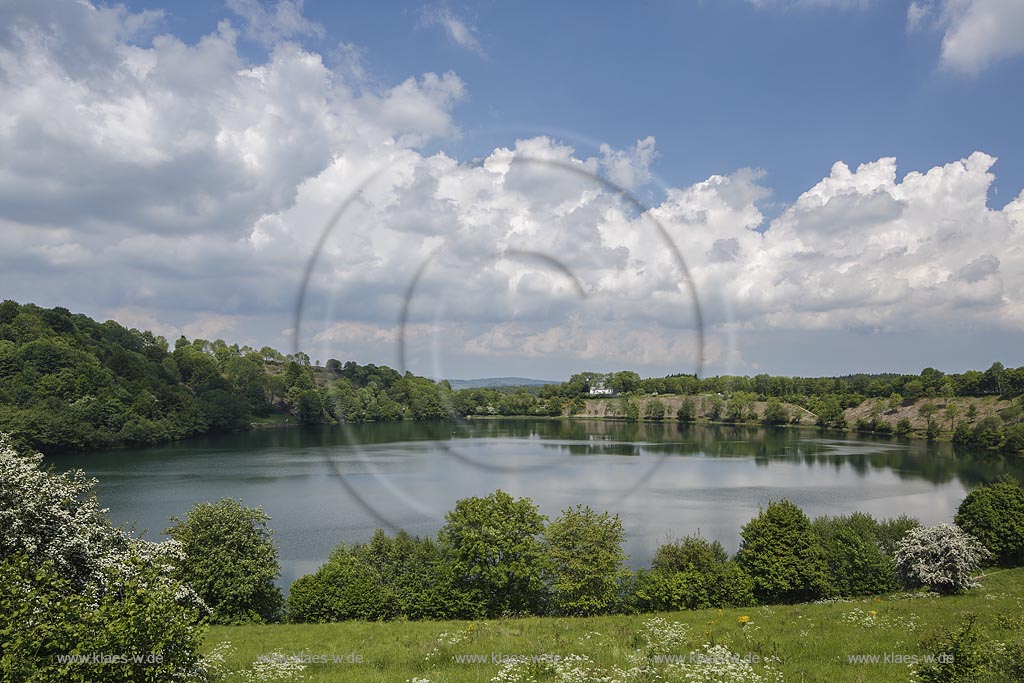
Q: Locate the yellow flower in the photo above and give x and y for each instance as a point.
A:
(720, 612)
(873, 613)
(878, 599)
(744, 619)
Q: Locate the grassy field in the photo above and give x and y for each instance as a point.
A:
(811, 642)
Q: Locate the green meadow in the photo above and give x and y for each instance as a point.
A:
(805, 643)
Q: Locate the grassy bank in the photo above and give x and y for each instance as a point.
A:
(811, 641)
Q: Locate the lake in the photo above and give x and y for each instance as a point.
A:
(325, 485)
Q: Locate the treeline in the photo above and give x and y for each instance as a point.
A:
(931, 383)
(498, 556)
(69, 383)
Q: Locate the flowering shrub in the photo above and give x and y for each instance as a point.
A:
(72, 583)
(942, 557)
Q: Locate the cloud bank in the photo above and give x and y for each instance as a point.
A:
(182, 187)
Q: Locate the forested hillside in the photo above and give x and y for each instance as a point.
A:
(70, 383)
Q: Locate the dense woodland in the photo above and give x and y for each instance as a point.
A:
(70, 383)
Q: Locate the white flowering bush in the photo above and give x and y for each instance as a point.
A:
(942, 557)
(72, 583)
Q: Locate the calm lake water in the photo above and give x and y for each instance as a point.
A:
(326, 485)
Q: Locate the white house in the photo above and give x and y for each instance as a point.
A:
(601, 390)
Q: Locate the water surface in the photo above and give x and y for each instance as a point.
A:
(326, 485)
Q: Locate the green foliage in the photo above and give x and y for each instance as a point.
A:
(994, 514)
(956, 654)
(889, 532)
(780, 552)
(45, 619)
(346, 587)
(775, 413)
(584, 561)
(903, 427)
(654, 409)
(857, 561)
(415, 572)
(73, 584)
(230, 560)
(713, 406)
(687, 410)
(692, 573)
(690, 553)
(495, 548)
(725, 585)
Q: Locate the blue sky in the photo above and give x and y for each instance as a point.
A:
(721, 85)
(843, 178)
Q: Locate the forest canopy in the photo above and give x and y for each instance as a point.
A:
(70, 383)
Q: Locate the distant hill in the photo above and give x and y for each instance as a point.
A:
(492, 382)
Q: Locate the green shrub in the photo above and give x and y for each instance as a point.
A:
(723, 585)
(775, 413)
(857, 562)
(231, 561)
(417, 574)
(994, 514)
(344, 588)
(779, 550)
(690, 553)
(988, 433)
(584, 562)
(687, 411)
(956, 654)
(903, 427)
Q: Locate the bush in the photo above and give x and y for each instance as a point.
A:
(494, 547)
(72, 583)
(941, 557)
(584, 561)
(344, 588)
(856, 560)
(723, 585)
(994, 514)
(903, 427)
(231, 561)
(956, 654)
(782, 555)
(775, 413)
(416, 573)
(687, 411)
(690, 553)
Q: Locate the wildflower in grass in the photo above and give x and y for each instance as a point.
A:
(744, 619)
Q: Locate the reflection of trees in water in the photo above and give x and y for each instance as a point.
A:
(934, 462)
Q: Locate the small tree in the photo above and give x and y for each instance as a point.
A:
(780, 552)
(941, 557)
(903, 427)
(584, 561)
(230, 560)
(775, 413)
(687, 410)
(494, 546)
(654, 409)
(994, 514)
